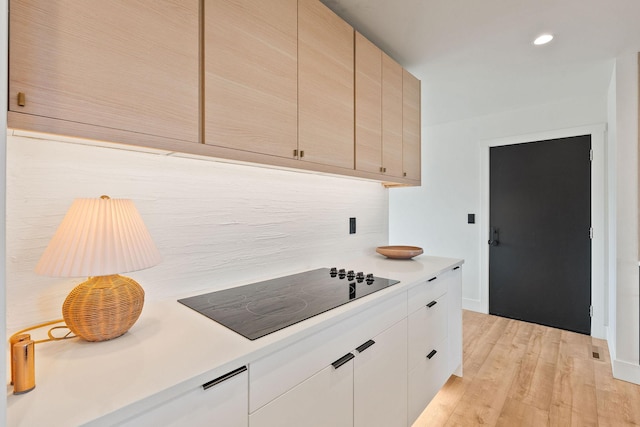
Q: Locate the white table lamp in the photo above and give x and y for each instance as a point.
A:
(100, 238)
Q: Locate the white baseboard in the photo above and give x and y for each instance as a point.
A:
(626, 371)
(473, 305)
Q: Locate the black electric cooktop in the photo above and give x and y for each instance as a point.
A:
(261, 308)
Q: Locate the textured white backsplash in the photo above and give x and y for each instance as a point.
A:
(216, 224)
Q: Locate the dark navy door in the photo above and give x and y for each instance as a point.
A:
(540, 243)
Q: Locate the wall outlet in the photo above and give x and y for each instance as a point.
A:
(352, 226)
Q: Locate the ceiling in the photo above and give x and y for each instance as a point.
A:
(476, 57)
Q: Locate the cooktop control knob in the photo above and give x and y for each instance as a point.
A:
(360, 276)
(370, 279)
(351, 275)
(333, 272)
(342, 273)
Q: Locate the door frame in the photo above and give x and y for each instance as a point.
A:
(598, 209)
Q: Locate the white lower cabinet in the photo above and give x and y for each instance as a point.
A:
(454, 302)
(325, 399)
(434, 338)
(368, 350)
(397, 355)
(427, 327)
(380, 379)
(221, 402)
(427, 378)
(366, 387)
(378, 368)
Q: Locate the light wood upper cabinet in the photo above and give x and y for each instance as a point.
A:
(368, 105)
(391, 117)
(116, 65)
(325, 86)
(251, 75)
(411, 126)
(378, 98)
(286, 83)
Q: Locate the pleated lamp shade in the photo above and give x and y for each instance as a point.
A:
(100, 238)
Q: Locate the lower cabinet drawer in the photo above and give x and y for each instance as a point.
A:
(426, 379)
(221, 402)
(422, 294)
(427, 328)
(323, 400)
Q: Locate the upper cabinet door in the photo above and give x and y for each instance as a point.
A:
(251, 75)
(117, 64)
(368, 105)
(411, 126)
(391, 117)
(325, 86)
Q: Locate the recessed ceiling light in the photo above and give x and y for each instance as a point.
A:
(543, 39)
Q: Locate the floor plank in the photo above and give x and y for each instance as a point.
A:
(522, 374)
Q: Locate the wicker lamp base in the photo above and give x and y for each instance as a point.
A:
(103, 307)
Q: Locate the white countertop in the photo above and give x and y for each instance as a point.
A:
(170, 350)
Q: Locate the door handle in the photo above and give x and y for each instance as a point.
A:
(223, 378)
(494, 237)
(344, 359)
(365, 346)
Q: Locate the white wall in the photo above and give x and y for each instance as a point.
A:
(434, 216)
(625, 138)
(216, 224)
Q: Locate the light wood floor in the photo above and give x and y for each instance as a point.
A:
(519, 374)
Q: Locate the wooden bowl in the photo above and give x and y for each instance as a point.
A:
(399, 252)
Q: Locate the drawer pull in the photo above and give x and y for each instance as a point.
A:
(432, 303)
(432, 279)
(365, 346)
(430, 355)
(456, 268)
(225, 377)
(21, 99)
(344, 359)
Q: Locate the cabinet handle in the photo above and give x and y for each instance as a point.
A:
(344, 359)
(432, 279)
(404, 174)
(430, 355)
(381, 169)
(384, 170)
(225, 377)
(295, 153)
(365, 346)
(21, 99)
(301, 153)
(432, 303)
(456, 268)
